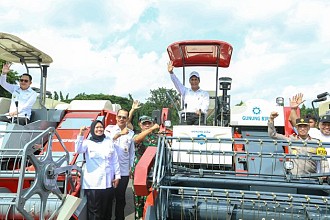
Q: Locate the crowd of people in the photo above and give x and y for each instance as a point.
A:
(111, 153)
(305, 129)
(127, 148)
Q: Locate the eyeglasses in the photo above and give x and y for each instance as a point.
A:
(121, 117)
(24, 80)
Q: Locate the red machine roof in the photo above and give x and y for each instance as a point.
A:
(200, 53)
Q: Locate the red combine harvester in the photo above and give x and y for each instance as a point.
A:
(39, 171)
(231, 170)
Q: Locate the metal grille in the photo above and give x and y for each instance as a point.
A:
(198, 182)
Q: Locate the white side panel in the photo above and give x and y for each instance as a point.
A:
(255, 112)
(70, 205)
(201, 131)
(116, 107)
(90, 105)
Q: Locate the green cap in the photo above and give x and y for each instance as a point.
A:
(145, 118)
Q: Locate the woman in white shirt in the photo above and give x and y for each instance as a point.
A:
(101, 172)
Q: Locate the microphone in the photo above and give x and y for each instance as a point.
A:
(185, 112)
(322, 95)
(16, 103)
(320, 99)
(199, 117)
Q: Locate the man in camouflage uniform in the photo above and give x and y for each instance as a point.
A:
(142, 140)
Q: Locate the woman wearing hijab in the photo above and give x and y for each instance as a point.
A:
(101, 173)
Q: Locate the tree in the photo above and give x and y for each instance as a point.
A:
(307, 111)
(240, 104)
(61, 96)
(123, 102)
(56, 97)
(160, 98)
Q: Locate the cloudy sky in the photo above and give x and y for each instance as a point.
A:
(119, 47)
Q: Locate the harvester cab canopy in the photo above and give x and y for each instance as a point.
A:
(15, 50)
(200, 53)
(203, 53)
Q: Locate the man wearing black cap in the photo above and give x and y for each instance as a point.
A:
(301, 166)
(324, 125)
(324, 133)
(143, 140)
(196, 101)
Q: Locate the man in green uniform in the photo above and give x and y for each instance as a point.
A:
(143, 140)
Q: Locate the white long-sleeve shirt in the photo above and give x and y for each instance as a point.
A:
(195, 100)
(26, 98)
(101, 163)
(125, 148)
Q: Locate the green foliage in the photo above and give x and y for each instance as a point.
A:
(240, 104)
(12, 77)
(56, 97)
(124, 102)
(61, 96)
(159, 100)
(307, 111)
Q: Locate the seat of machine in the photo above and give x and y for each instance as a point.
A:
(4, 105)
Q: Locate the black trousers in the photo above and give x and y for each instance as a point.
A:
(120, 194)
(99, 203)
(191, 118)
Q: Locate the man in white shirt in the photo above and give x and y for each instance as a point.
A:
(124, 145)
(324, 133)
(22, 95)
(196, 100)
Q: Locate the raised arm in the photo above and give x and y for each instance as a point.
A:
(80, 146)
(295, 101)
(135, 106)
(178, 85)
(3, 78)
(140, 137)
(271, 128)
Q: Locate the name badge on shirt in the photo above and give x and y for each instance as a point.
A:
(321, 151)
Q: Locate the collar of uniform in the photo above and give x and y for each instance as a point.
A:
(307, 139)
(28, 89)
(117, 128)
(198, 90)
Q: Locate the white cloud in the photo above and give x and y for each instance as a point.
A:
(275, 43)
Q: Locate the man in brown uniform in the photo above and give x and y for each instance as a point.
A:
(304, 165)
